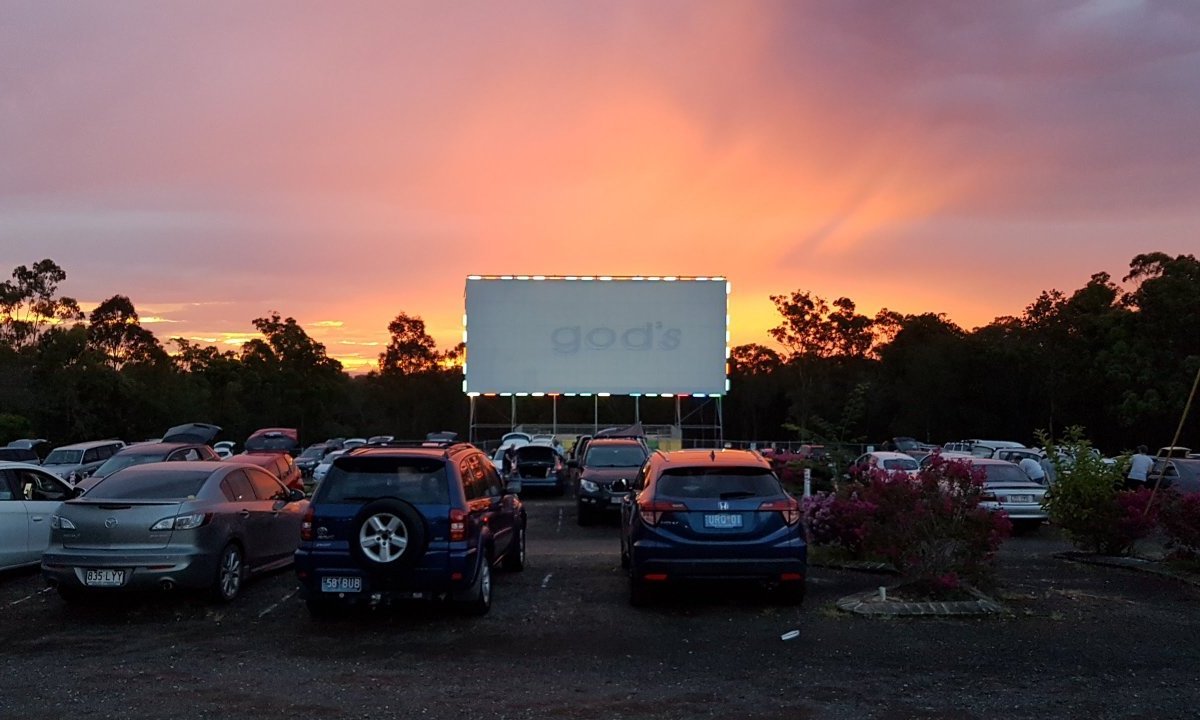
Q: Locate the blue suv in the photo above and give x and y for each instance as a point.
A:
(710, 515)
(409, 521)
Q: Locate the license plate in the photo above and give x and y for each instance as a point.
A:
(104, 578)
(1022, 499)
(341, 584)
(615, 501)
(724, 520)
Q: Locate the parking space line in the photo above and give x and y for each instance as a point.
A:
(546, 580)
(560, 517)
(29, 597)
(285, 598)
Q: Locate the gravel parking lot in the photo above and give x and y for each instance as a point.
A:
(561, 641)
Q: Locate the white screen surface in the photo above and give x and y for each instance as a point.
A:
(592, 336)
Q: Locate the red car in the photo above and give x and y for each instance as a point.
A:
(278, 464)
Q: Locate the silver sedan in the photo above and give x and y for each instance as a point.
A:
(200, 525)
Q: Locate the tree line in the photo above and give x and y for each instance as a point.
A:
(1116, 359)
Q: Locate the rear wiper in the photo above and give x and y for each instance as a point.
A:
(736, 494)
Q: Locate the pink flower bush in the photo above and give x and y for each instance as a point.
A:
(929, 526)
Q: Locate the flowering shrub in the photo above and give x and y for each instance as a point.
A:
(839, 517)
(1087, 501)
(1181, 521)
(929, 526)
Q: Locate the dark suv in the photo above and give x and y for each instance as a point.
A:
(711, 515)
(409, 521)
(606, 461)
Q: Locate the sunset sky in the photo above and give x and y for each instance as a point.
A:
(341, 162)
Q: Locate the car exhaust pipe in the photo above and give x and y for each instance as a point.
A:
(166, 584)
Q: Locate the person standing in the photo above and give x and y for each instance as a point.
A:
(1139, 469)
(510, 460)
(1033, 469)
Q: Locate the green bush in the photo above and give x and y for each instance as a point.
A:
(1088, 500)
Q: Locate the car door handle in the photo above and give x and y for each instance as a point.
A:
(36, 518)
(244, 512)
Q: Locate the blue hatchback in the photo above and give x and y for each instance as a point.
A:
(425, 520)
(711, 515)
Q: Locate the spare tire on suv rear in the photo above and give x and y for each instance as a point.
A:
(388, 533)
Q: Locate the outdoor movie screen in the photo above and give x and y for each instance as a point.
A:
(623, 336)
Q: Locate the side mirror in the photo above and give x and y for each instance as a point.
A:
(295, 495)
(76, 492)
(513, 487)
(620, 485)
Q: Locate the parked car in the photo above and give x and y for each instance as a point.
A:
(498, 456)
(1008, 488)
(311, 457)
(1179, 474)
(40, 447)
(228, 446)
(322, 467)
(280, 465)
(29, 495)
(442, 436)
(278, 440)
(710, 515)
(20, 455)
(884, 460)
(1016, 455)
(945, 455)
(409, 523)
(510, 436)
(144, 453)
(540, 466)
(80, 459)
(200, 525)
(380, 439)
(607, 460)
(351, 443)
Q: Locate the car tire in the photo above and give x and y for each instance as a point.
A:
(639, 592)
(514, 557)
(790, 593)
(584, 516)
(624, 555)
(478, 598)
(322, 609)
(71, 595)
(388, 534)
(231, 574)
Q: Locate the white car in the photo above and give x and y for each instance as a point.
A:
(889, 461)
(322, 468)
(29, 496)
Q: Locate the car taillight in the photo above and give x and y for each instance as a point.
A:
(458, 525)
(789, 508)
(652, 510)
(988, 496)
(306, 525)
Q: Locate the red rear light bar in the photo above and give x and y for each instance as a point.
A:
(789, 508)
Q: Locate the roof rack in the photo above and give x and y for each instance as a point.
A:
(432, 444)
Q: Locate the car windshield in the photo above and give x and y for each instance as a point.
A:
(723, 483)
(313, 452)
(116, 462)
(137, 485)
(357, 479)
(1004, 474)
(900, 464)
(906, 443)
(64, 457)
(623, 456)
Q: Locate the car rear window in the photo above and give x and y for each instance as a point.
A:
(536, 453)
(900, 464)
(1004, 474)
(722, 483)
(270, 442)
(173, 485)
(118, 462)
(360, 479)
